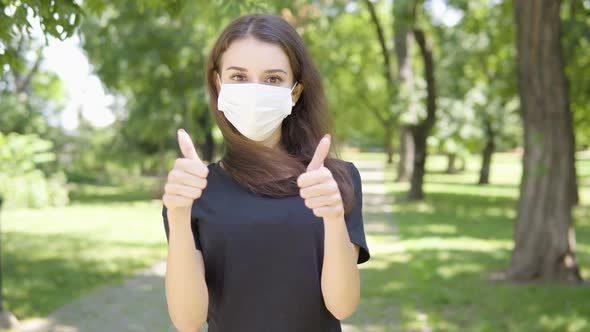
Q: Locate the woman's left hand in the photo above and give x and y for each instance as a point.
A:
(318, 187)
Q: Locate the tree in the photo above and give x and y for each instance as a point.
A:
(544, 237)
(352, 79)
(28, 95)
(389, 118)
(421, 130)
(420, 126)
(154, 59)
(479, 64)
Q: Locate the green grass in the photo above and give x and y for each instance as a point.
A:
(52, 256)
(441, 271)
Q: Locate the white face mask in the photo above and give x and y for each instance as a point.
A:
(256, 110)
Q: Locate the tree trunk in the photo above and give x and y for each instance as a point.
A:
(406, 154)
(388, 75)
(403, 46)
(544, 236)
(463, 164)
(417, 181)
(389, 143)
(421, 131)
(451, 158)
(486, 160)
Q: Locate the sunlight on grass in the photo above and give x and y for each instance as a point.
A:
(52, 256)
(440, 229)
(450, 271)
(570, 323)
(439, 273)
(457, 243)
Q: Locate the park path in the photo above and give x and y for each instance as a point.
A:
(138, 304)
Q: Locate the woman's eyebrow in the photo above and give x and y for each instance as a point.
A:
(266, 71)
(236, 68)
(275, 71)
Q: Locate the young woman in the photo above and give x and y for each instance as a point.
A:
(269, 237)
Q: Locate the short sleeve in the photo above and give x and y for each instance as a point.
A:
(354, 219)
(194, 228)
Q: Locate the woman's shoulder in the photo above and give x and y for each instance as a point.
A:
(212, 164)
(215, 171)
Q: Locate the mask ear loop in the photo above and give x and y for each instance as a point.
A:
(219, 79)
(294, 85)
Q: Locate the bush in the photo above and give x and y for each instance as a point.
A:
(22, 182)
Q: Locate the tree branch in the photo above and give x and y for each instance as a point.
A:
(372, 108)
(385, 52)
(22, 85)
(426, 51)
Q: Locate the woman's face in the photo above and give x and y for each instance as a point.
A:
(250, 60)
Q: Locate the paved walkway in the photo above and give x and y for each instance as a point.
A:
(139, 304)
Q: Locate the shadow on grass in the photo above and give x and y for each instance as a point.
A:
(450, 287)
(43, 273)
(439, 274)
(141, 190)
(473, 184)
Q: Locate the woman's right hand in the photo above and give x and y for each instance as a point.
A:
(187, 179)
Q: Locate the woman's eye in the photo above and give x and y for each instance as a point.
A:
(237, 77)
(274, 79)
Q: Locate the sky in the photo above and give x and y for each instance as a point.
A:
(84, 90)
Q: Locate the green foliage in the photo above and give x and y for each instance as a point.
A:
(31, 110)
(22, 182)
(477, 80)
(56, 18)
(342, 46)
(18, 17)
(576, 50)
(29, 96)
(101, 156)
(155, 61)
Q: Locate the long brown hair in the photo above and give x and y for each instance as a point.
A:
(261, 169)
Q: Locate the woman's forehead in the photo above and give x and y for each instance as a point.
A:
(255, 56)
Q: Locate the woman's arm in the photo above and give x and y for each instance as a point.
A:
(340, 280)
(186, 290)
(340, 275)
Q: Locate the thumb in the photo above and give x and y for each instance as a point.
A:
(321, 152)
(186, 145)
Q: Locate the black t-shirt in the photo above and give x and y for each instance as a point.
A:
(263, 257)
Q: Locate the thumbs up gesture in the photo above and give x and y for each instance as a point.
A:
(318, 187)
(188, 177)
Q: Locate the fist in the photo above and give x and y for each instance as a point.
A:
(318, 187)
(188, 177)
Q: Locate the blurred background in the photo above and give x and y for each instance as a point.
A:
(469, 122)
